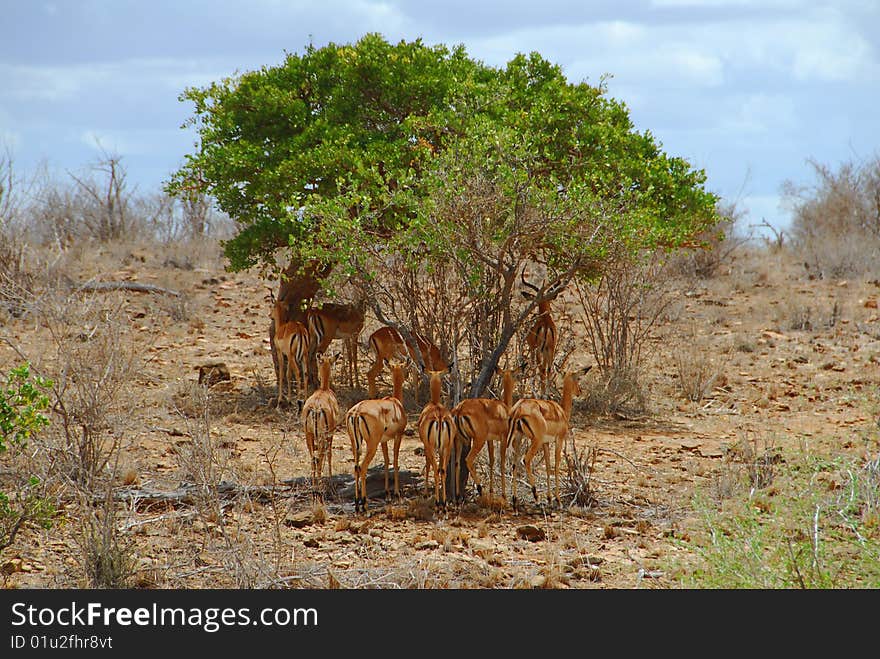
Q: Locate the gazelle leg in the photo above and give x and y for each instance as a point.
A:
(397, 441)
(385, 455)
(559, 443)
(364, 466)
(470, 461)
(491, 447)
(527, 461)
(546, 448)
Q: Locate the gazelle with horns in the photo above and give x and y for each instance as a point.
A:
(542, 336)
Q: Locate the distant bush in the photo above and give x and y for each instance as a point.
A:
(835, 225)
(713, 247)
(620, 312)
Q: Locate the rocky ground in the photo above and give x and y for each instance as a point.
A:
(790, 359)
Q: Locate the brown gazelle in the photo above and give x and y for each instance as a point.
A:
(337, 321)
(291, 348)
(437, 432)
(387, 343)
(541, 340)
(372, 422)
(320, 415)
(542, 422)
(483, 421)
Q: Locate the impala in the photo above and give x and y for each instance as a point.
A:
(373, 422)
(291, 344)
(387, 343)
(337, 321)
(541, 340)
(483, 421)
(320, 415)
(437, 432)
(542, 422)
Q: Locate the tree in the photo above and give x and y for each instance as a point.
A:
(386, 163)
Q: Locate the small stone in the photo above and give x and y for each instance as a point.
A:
(298, 520)
(531, 533)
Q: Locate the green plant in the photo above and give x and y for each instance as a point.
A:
(816, 526)
(21, 404)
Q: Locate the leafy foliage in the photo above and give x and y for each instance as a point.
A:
(21, 404)
(352, 135)
(789, 533)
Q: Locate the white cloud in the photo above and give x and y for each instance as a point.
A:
(628, 51)
(134, 142)
(48, 83)
(57, 84)
(736, 4)
(9, 139)
(762, 113)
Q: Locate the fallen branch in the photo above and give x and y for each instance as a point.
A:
(126, 286)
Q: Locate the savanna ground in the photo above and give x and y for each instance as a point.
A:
(754, 462)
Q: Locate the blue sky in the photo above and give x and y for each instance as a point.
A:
(749, 90)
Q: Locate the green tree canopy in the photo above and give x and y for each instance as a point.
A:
(388, 159)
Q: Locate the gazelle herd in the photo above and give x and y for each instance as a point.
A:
(447, 435)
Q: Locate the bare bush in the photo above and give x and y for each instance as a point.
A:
(698, 368)
(577, 483)
(750, 463)
(17, 279)
(105, 201)
(206, 463)
(621, 312)
(107, 555)
(836, 221)
(795, 315)
(92, 367)
(185, 218)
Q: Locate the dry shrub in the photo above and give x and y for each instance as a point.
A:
(420, 508)
(870, 491)
(107, 557)
(17, 278)
(715, 246)
(698, 367)
(836, 221)
(91, 360)
(621, 312)
(749, 463)
(577, 485)
(795, 315)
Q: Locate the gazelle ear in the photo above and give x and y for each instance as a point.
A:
(586, 369)
(336, 357)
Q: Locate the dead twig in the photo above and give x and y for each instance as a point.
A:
(125, 286)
